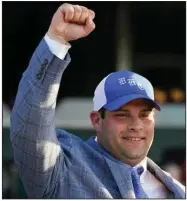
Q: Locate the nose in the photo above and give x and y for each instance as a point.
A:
(135, 124)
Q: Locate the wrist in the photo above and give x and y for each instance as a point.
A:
(57, 38)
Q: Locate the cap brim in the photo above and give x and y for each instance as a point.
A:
(126, 99)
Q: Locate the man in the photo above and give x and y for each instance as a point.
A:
(56, 164)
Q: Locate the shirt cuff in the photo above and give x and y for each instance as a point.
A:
(58, 49)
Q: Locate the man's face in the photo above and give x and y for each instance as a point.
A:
(128, 132)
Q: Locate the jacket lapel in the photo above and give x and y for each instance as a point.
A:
(122, 177)
(162, 176)
(119, 171)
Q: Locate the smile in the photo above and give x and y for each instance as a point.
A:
(134, 138)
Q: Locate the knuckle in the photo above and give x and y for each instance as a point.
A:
(70, 13)
(67, 8)
(92, 12)
(65, 5)
(84, 9)
(77, 8)
(70, 8)
(84, 13)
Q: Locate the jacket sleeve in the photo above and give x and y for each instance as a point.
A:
(37, 153)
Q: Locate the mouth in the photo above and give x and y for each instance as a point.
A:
(135, 139)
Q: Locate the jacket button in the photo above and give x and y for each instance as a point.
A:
(43, 67)
(38, 76)
(45, 61)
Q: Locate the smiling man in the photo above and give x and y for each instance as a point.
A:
(126, 128)
(128, 132)
(56, 164)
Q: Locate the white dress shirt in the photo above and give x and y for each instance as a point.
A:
(58, 49)
(151, 185)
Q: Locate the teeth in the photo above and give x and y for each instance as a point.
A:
(134, 139)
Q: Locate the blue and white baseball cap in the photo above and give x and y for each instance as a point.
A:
(121, 87)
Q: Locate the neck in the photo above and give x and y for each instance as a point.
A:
(136, 162)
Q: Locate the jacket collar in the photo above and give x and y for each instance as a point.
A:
(166, 179)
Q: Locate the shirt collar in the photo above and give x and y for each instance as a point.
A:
(143, 163)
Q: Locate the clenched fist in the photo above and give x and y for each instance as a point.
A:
(71, 22)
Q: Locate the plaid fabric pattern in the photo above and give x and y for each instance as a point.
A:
(56, 164)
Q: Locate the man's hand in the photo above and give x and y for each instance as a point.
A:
(71, 22)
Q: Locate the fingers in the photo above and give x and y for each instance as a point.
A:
(92, 14)
(89, 26)
(84, 15)
(75, 13)
(67, 10)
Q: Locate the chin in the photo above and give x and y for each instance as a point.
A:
(136, 156)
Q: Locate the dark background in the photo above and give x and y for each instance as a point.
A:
(156, 27)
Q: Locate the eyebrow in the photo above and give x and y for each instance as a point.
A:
(144, 110)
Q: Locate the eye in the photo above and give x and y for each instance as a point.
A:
(123, 115)
(144, 115)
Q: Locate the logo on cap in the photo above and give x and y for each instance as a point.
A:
(130, 81)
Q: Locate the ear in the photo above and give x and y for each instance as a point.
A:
(96, 120)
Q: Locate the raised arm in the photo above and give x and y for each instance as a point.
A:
(37, 153)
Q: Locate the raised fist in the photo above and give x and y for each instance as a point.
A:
(71, 22)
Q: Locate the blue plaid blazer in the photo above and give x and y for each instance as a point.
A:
(56, 164)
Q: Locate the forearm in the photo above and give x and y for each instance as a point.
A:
(36, 149)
